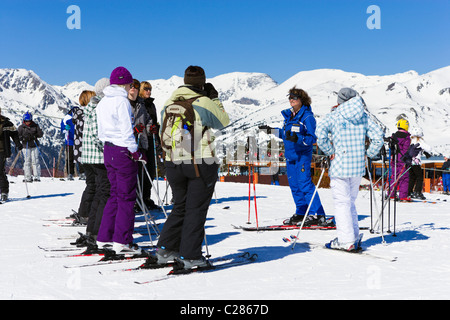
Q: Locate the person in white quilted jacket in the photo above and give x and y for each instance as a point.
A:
(341, 136)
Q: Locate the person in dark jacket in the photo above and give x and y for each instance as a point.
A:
(142, 124)
(29, 132)
(191, 175)
(7, 132)
(145, 93)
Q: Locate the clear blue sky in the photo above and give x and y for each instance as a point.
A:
(160, 38)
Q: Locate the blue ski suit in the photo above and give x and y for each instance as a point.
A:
(298, 158)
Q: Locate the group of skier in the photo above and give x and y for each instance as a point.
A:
(119, 134)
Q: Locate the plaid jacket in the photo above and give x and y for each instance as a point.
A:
(92, 146)
(343, 133)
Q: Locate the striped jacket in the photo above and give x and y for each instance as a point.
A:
(92, 146)
(343, 133)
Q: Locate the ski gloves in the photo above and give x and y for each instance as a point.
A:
(138, 156)
(412, 152)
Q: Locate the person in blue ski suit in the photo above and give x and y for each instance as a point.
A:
(68, 130)
(298, 134)
(446, 175)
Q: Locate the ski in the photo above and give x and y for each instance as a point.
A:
(59, 220)
(249, 258)
(424, 201)
(277, 227)
(150, 266)
(102, 262)
(68, 248)
(68, 255)
(70, 225)
(360, 251)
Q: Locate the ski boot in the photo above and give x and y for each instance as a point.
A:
(183, 265)
(294, 220)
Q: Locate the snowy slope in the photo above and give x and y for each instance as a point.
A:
(422, 269)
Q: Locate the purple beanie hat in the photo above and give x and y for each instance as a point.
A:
(120, 75)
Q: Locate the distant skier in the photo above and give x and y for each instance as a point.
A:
(446, 176)
(29, 132)
(400, 143)
(7, 132)
(415, 184)
(68, 130)
(341, 136)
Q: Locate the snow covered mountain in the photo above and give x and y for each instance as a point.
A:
(23, 90)
(72, 90)
(252, 99)
(424, 99)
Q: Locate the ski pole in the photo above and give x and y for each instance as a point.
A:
(156, 163)
(389, 186)
(372, 196)
(153, 186)
(43, 160)
(249, 188)
(309, 207)
(254, 200)
(26, 185)
(146, 213)
(206, 244)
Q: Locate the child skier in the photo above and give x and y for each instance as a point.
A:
(401, 141)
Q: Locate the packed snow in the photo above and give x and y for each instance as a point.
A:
(420, 246)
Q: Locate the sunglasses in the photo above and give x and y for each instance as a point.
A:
(148, 89)
(292, 97)
(136, 86)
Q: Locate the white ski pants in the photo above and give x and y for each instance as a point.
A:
(345, 191)
(31, 156)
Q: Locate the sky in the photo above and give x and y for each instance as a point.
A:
(156, 39)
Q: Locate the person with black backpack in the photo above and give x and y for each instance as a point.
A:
(191, 167)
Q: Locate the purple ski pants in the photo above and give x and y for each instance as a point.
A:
(118, 216)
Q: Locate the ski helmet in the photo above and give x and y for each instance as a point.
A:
(403, 124)
(27, 117)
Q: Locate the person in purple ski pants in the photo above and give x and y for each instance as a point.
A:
(115, 130)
